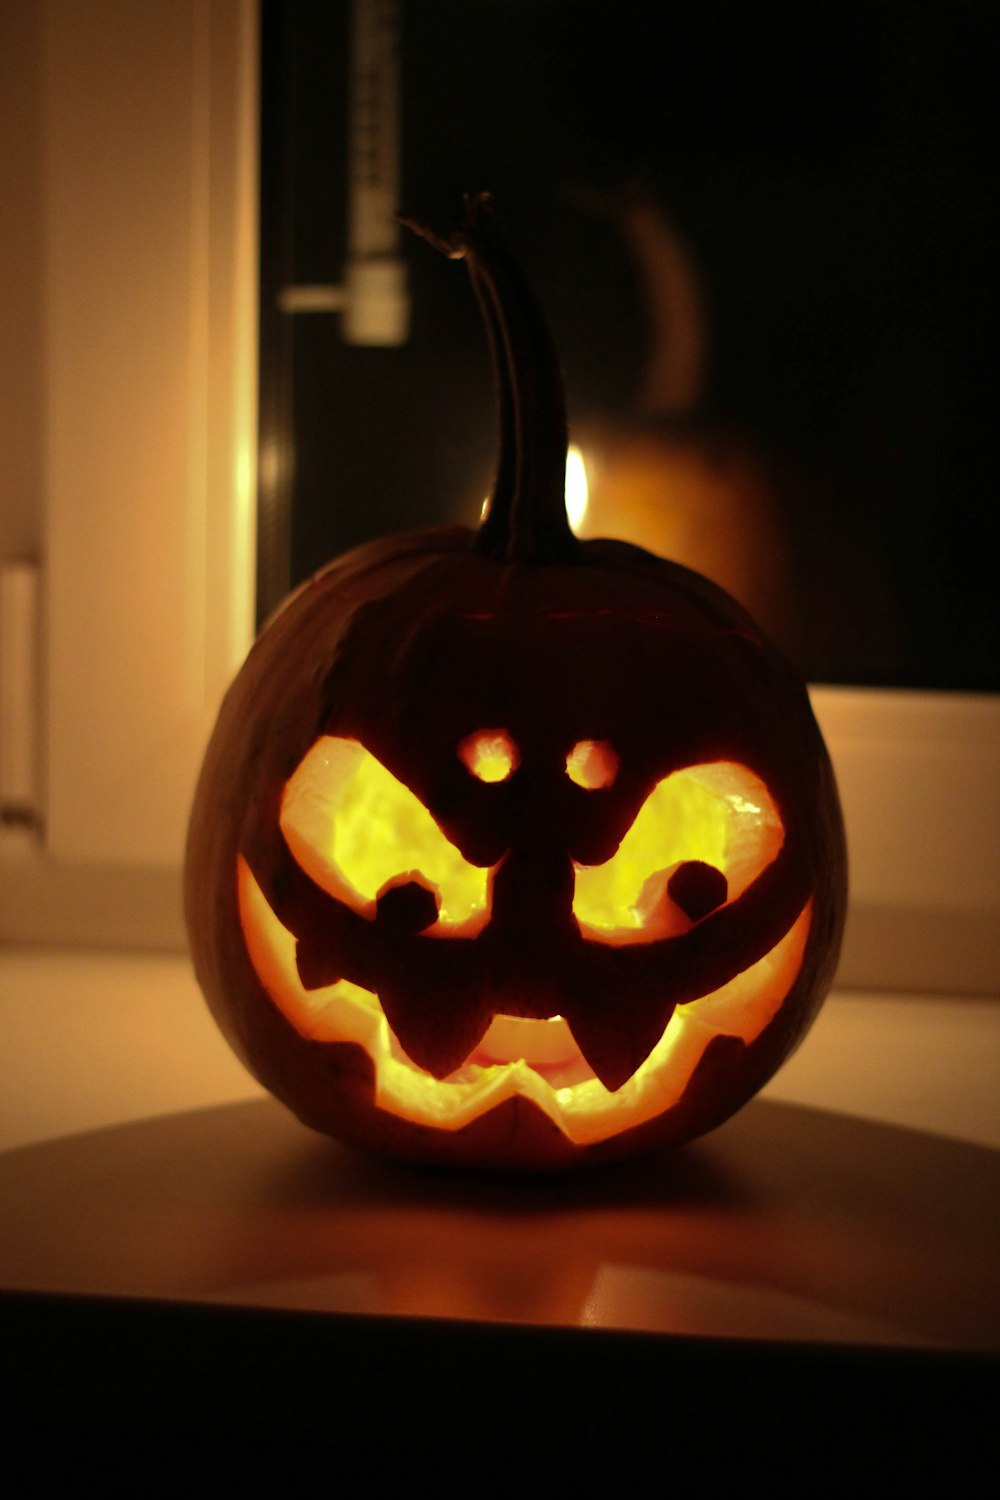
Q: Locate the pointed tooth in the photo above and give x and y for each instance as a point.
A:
(616, 1038)
(437, 1034)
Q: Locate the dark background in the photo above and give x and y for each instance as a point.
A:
(828, 168)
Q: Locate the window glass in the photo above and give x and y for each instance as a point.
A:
(759, 236)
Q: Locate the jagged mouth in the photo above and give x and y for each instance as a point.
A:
(535, 1059)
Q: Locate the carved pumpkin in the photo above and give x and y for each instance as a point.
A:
(507, 848)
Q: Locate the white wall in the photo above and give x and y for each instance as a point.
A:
(150, 282)
(132, 309)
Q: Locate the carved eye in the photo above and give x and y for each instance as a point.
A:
(490, 754)
(701, 837)
(592, 764)
(368, 840)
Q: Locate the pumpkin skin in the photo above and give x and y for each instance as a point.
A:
(540, 699)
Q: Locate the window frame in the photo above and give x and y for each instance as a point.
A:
(138, 649)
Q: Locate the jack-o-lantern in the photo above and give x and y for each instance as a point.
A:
(511, 849)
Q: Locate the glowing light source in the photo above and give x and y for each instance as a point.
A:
(576, 487)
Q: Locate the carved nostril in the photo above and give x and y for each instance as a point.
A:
(489, 754)
(592, 764)
(406, 908)
(697, 888)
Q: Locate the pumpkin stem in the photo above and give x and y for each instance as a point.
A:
(526, 517)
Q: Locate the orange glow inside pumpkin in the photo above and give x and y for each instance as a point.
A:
(355, 829)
